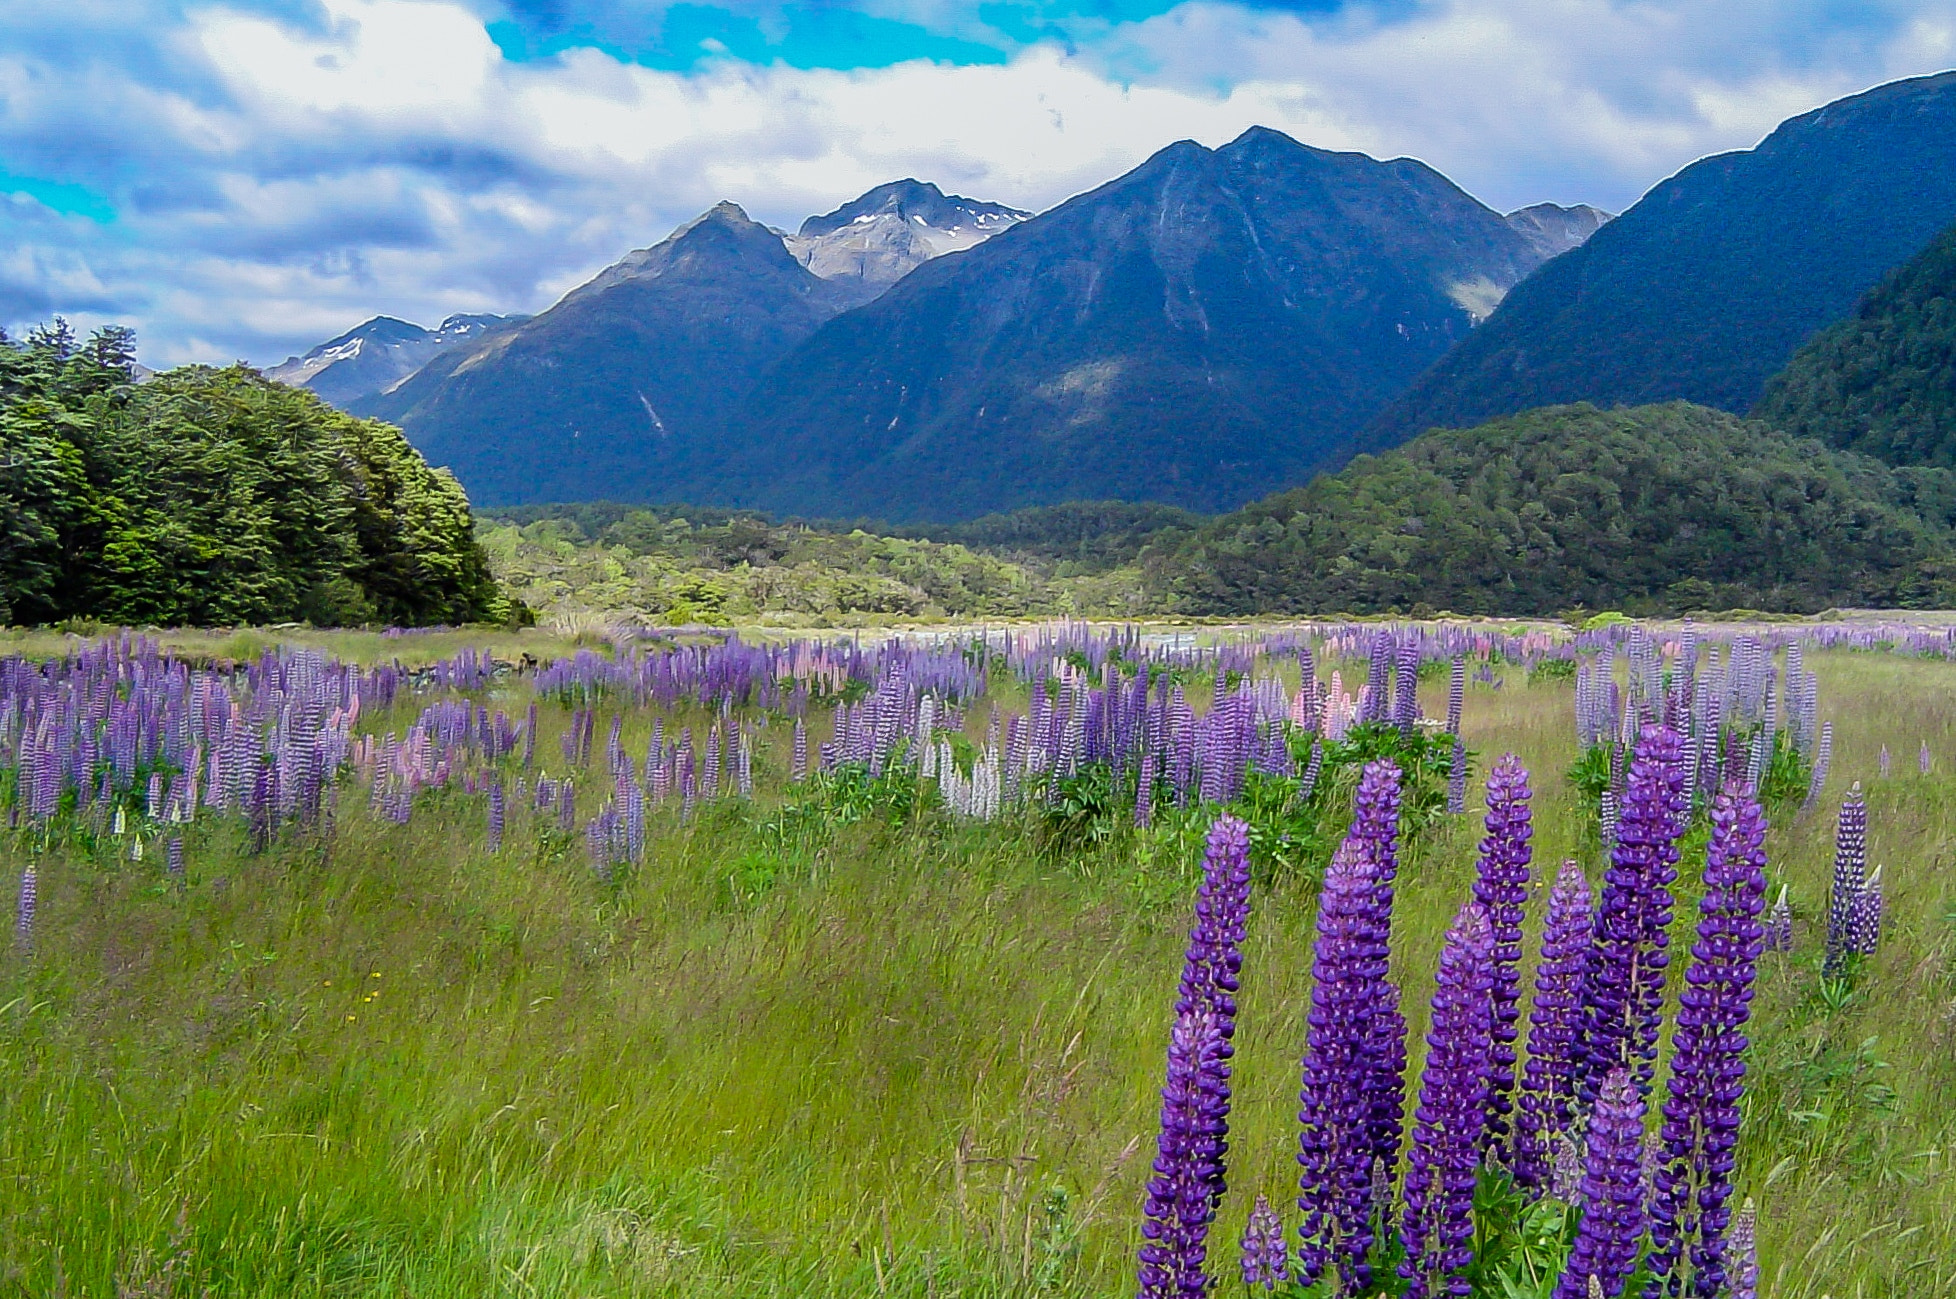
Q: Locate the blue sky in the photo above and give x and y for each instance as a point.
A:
(244, 178)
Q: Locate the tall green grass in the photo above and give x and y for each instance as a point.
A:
(865, 1060)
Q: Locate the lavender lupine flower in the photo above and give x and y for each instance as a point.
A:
(173, 859)
(1887, 763)
(1850, 868)
(799, 772)
(1700, 1130)
(1623, 989)
(1265, 1256)
(1188, 1162)
(1922, 760)
(1456, 694)
(1864, 917)
(24, 912)
(1309, 781)
(1373, 703)
(1822, 757)
(1144, 791)
(1405, 702)
(1457, 779)
(1335, 1151)
(1501, 889)
(1548, 1092)
(1742, 1253)
(1437, 1226)
(1612, 1193)
(1565, 1180)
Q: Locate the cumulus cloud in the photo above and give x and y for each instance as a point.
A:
(278, 173)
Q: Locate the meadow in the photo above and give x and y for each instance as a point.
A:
(826, 1036)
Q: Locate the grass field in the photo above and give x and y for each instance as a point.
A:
(854, 1059)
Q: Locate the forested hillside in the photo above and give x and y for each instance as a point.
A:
(1654, 508)
(1708, 285)
(207, 496)
(1883, 381)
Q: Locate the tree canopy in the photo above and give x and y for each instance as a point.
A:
(215, 496)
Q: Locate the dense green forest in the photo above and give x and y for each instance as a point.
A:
(1653, 508)
(1883, 381)
(215, 496)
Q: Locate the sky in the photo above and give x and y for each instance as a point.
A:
(243, 179)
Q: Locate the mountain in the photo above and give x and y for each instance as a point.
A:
(1883, 381)
(876, 240)
(1554, 229)
(1205, 328)
(1652, 509)
(371, 358)
(1706, 286)
(605, 394)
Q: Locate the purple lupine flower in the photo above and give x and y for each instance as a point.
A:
(495, 813)
(1265, 1257)
(1437, 1225)
(1850, 868)
(1309, 781)
(1501, 889)
(1188, 1163)
(173, 858)
(24, 911)
(1922, 759)
(799, 772)
(1548, 1098)
(1565, 1175)
(1612, 1221)
(1700, 1129)
(1623, 987)
(1864, 917)
(1335, 1148)
(1375, 827)
(1372, 704)
(1457, 779)
(1215, 959)
(1742, 1253)
(1144, 791)
(1887, 763)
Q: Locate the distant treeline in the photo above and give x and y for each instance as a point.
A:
(205, 496)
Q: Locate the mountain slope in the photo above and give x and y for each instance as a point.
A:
(1198, 331)
(1651, 508)
(1707, 285)
(372, 357)
(602, 395)
(874, 241)
(1883, 381)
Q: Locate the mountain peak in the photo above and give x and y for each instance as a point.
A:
(1554, 229)
(873, 241)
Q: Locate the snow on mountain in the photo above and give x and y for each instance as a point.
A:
(871, 243)
(374, 356)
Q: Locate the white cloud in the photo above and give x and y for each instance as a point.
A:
(279, 182)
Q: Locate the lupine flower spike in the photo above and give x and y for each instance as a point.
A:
(1700, 1131)
(1605, 1251)
(1265, 1255)
(1779, 924)
(1501, 889)
(1335, 1151)
(1188, 1163)
(1850, 869)
(1546, 1115)
(24, 913)
(1742, 1253)
(1623, 989)
(1437, 1227)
